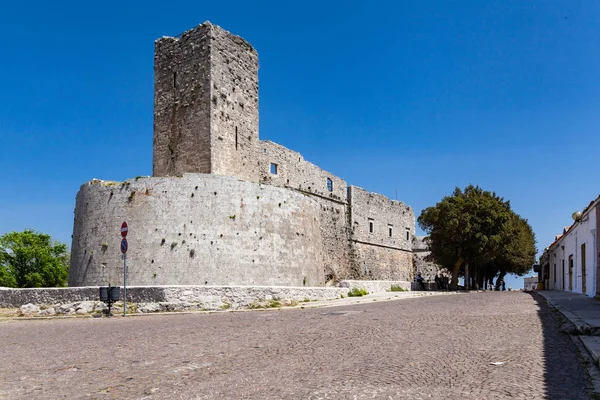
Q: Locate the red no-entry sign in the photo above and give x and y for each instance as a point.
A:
(124, 229)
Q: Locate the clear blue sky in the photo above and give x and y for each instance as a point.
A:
(406, 97)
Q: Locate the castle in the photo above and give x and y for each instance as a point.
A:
(224, 207)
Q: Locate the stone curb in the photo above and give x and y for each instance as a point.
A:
(592, 344)
(578, 328)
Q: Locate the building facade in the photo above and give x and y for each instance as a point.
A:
(571, 262)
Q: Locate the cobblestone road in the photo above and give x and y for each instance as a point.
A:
(437, 347)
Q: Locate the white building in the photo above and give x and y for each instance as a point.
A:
(570, 263)
(530, 284)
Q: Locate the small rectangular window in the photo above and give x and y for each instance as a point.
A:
(274, 169)
(329, 185)
(390, 230)
(407, 234)
(371, 223)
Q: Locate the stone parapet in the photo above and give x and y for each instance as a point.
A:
(429, 286)
(375, 286)
(178, 297)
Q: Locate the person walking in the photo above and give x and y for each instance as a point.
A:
(421, 281)
(438, 282)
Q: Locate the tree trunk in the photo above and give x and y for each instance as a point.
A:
(499, 279)
(459, 262)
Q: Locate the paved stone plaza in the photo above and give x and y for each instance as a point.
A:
(434, 347)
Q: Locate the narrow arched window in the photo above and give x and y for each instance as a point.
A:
(329, 185)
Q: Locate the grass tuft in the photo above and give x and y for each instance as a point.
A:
(357, 292)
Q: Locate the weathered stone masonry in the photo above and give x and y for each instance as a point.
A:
(206, 104)
(283, 167)
(200, 229)
(223, 207)
(382, 232)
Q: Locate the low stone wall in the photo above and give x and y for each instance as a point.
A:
(10, 297)
(180, 297)
(246, 296)
(375, 286)
(146, 299)
(431, 286)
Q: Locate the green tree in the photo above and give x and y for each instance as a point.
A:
(32, 259)
(477, 228)
(518, 249)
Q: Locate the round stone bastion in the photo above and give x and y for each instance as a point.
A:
(198, 229)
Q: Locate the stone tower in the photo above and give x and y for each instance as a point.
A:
(206, 104)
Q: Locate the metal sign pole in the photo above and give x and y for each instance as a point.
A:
(124, 285)
(124, 230)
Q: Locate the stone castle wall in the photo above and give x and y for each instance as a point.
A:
(293, 172)
(374, 215)
(427, 269)
(198, 229)
(206, 104)
(182, 91)
(381, 232)
(276, 219)
(234, 118)
(383, 263)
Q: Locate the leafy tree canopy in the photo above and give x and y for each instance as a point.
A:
(31, 259)
(478, 227)
(518, 249)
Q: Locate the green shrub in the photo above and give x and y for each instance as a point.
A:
(357, 292)
(397, 288)
(274, 304)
